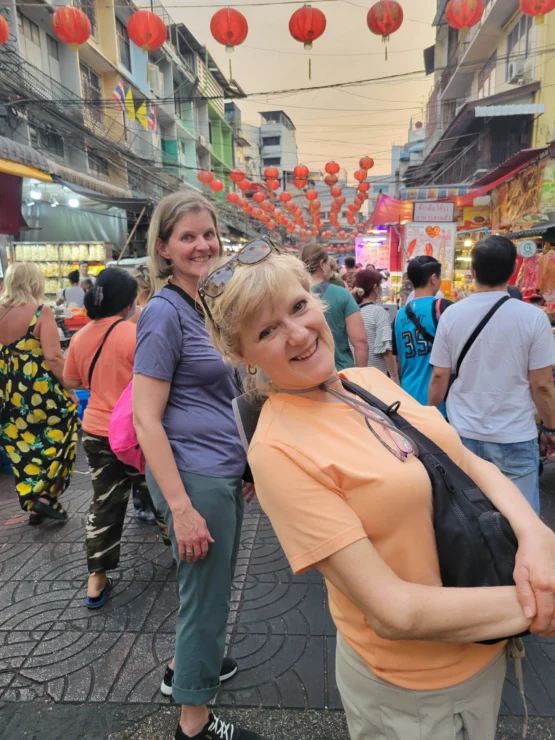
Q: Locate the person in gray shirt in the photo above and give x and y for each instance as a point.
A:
(74, 295)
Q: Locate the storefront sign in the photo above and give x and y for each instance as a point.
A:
(433, 211)
(434, 240)
(527, 249)
(373, 250)
(476, 217)
(525, 199)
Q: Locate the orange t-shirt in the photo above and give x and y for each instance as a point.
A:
(113, 371)
(326, 482)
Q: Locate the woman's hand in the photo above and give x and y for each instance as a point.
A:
(249, 492)
(534, 576)
(192, 535)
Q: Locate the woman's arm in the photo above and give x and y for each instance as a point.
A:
(357, 337)
(535, 563)
(391, 364)
(47, 333)
(150, 398)
(398, 610)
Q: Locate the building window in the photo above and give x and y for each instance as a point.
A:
(28, 29)
(47, 140)
(124, 45)
(272, 161)
(98, 165)
(92, 93)
(486, 78)
(519, 41)
(271, 140)
(210, 132)
(53, 48)
(89, 9)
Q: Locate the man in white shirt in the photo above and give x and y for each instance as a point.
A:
(504, 377)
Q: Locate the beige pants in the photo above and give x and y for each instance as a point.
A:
(377, 710)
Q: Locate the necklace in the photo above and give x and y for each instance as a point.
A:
(401, 445)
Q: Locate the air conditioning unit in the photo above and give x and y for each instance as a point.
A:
(156, 80)
(202, 140)
(516, 72)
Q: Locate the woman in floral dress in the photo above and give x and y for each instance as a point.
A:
(38, 417)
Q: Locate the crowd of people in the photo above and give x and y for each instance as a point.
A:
(343, 486)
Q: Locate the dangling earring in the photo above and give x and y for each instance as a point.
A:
(251, 369)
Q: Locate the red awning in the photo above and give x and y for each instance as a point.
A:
(389, 210)
(507, 169)
(11, 219)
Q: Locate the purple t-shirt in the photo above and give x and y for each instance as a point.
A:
(173, 345)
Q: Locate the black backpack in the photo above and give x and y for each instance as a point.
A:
(475, 543)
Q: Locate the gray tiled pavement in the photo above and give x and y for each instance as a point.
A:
(58, 659)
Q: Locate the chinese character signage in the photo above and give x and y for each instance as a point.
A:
(434, 240)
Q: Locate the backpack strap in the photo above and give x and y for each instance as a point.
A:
(321, 288)
(417, 323)
(476, 333)
(246, 410)
(99, 350)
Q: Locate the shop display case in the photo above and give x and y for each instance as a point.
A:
(57, 260)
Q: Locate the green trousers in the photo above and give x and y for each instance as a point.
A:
(204, 586)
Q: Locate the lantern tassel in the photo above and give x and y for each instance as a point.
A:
(230, 69)
(309, 68)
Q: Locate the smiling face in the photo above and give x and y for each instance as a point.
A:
(192, 246)
(290, 341)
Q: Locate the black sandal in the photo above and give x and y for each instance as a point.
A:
(50, 511)
(34, 519)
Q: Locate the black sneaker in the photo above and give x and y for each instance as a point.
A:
(217, 729)
(228, 670)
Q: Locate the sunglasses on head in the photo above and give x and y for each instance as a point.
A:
(215, 283)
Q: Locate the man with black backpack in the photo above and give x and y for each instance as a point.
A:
(415, 327)
(493, 355)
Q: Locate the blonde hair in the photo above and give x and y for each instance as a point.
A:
(250, 290)
(142, 275)
(313, 255)
(24, 283)
(166, 215)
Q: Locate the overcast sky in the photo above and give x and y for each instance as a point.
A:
(331, 124)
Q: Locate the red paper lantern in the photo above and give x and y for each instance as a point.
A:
(217, 186)
(341, 200)
(285, 197)
(258, 197)
(366, 163)
(361, 175)
(229, 27)
(299, 184)
(233, 197)
(314, 206)
(4, 30)
(290, 206)
(463, 14)
(341, 235)
(244, 185)
(271, 173)
(205, 176)
(332, 168)
(330, 180)
(384, 18)
(306, 25)
(147, 30)
(537, 8)
(326, 235)
(363, 187)
(336, 191)
(71, 26)
(237, 175)
(301, 172)
(311, 194)
(273, 184)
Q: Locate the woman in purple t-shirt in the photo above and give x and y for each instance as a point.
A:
(182, 394)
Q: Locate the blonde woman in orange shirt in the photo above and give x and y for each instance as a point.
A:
(359, 509)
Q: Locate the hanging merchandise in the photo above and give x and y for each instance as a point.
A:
(306, 25)
(384, 18)
(71, 26)
(4, 30)
(537, 8)
(366, 163)
(230, 28)
(463, 14)
(147, 30)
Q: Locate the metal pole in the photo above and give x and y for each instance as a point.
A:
(132, 234)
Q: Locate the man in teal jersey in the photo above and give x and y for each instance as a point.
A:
(415, 327)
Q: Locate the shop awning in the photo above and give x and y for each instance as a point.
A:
(522, 109)
(84, 180)
(135, 205)
(389, 210)
(11, 218)
(511, 166)
(22, 161)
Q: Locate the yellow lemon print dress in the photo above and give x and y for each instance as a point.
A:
(38, 420)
